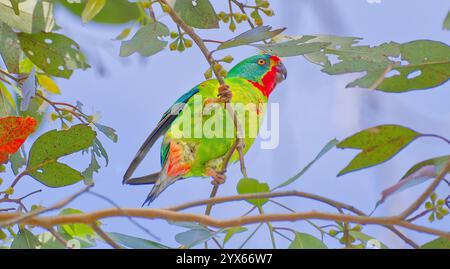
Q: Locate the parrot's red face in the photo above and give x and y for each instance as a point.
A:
(264, 71)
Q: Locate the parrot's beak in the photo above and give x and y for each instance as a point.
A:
(281, 72)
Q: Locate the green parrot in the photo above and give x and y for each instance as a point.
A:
(187, 150)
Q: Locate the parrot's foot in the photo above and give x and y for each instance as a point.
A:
(218, 177)
(225, 94)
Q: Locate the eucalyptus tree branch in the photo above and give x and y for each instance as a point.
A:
(154, 213)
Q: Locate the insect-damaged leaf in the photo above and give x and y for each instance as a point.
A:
(13, 133)
(251, 36)
(43, 162)
(378, 144)
(197, 13)
(394, 67)
(146, 41)
(55, 54)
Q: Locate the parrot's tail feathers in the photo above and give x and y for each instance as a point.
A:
(145, 180)
(159, 187)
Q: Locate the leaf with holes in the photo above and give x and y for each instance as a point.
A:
(93, 167)
(34, 16)
(147, 41)
(292, 48)
(13, 133)
(418, 174)
(251, 185)
(114, 12)
(254, 35)
(197, 13)
(92, 8)
(378, 144)
(43, 162)
(306, 241)
(10, 50)
(394, 67)
(55, 54)
(25, 240)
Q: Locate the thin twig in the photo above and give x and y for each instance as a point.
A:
(105, 236)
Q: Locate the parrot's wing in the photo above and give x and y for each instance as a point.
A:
(163, 125)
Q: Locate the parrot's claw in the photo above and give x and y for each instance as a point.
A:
(225, 94)
(218, 177)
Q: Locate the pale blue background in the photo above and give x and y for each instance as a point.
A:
(132, 93)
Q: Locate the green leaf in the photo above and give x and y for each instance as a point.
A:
(250, 185)
(15, 6)
(418, 174)
(335, 42)
(94, 166)
(194, 237)
(10, 50)
(232, 231)
(367, 240)
(136, 242)
(17, 161)
(146, 41)
(48, 241)
(306, 241)
(438, 243)
(438, 162)
(251, 36)
(292, 48)
(79, 231)
(197, 13)
(446, 24)
(4, 93)
(55, 54)
(114, 11)
(25, 240)
(378, 144)
(108, 131)
(92, 8)
(34, 16)
(43, 162)
(394, 67)
(100, 151)
(322, 152)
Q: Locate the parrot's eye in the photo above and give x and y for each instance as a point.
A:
(261, 62)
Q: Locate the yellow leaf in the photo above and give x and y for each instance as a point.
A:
(4, 91)
(47, 83)
(92, 8)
